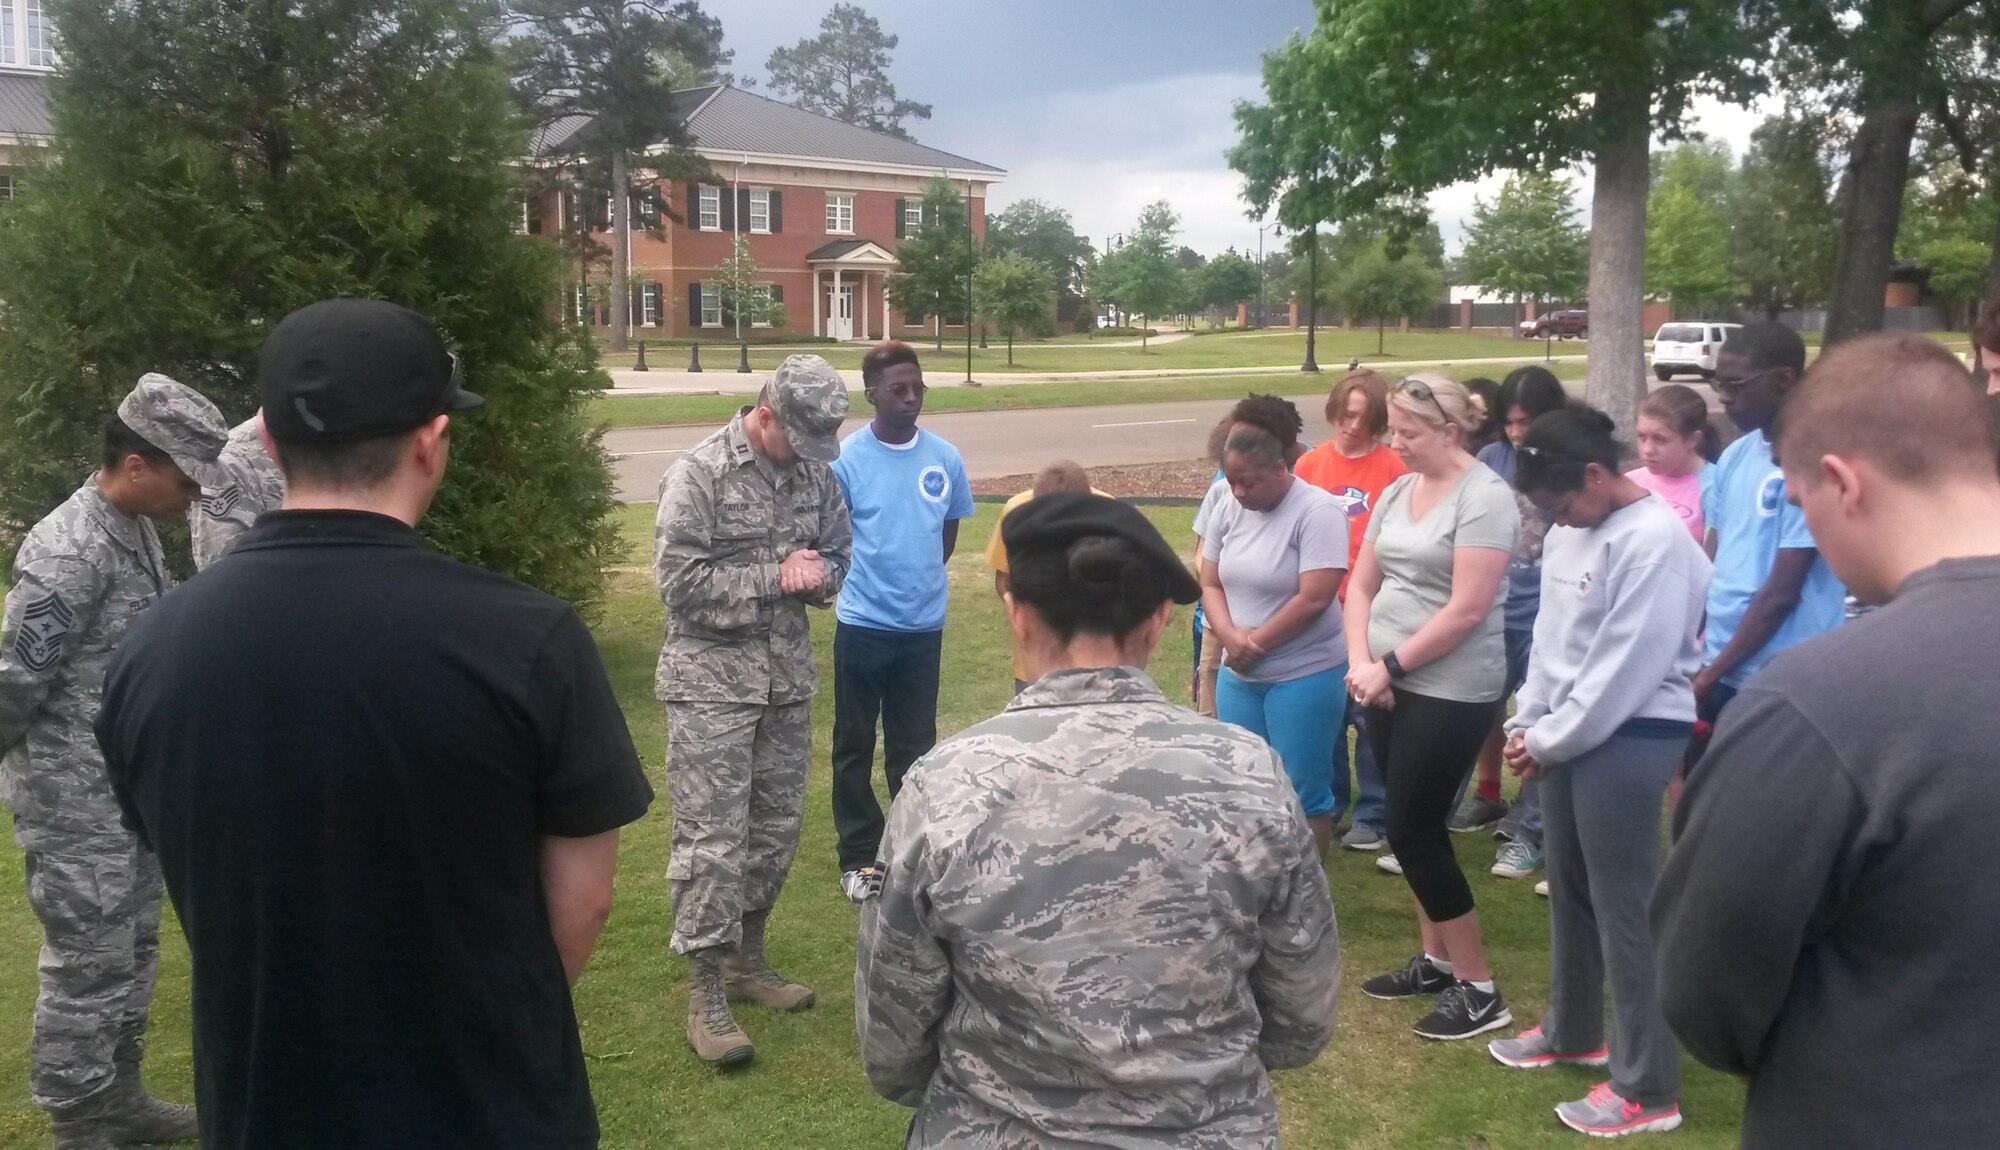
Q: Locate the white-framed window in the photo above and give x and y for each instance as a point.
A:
(649, 305)
(913, 217)
(9, 48)
(766, 288)
(711, 307)
(39, 46)
(579, 300)
(521, 227)
(710, 217)
(914, 320)
(839, 214)
(760, 210)
(6, 186)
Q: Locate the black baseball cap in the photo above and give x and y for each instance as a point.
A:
(1062, 518)
(346, 369)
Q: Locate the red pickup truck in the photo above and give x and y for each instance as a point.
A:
(1564, 324)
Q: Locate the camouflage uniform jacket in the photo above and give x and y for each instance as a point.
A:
(82, 576)
(727, 518)
(1102, 919)
(255, 485)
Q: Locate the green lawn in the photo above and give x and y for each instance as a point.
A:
(945, 395)
(1377, 1086)
(1073, 353)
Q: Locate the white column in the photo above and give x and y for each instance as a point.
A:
(863, 333)
(818, 304)
(836, 298)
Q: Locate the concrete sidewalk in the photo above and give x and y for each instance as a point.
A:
(732, 382)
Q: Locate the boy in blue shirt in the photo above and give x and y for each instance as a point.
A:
(906, 491)
(1771, 588)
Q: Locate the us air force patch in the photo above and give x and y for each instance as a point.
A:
(44, 624)
(218, 504)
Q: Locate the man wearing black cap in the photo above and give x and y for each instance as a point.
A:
(385, 787)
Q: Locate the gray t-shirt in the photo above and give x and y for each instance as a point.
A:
(1260, 555)
(1416, 559)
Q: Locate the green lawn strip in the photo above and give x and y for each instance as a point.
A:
(703, 410)
(1377, 1086)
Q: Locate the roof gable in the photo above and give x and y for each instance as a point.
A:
(733, 120)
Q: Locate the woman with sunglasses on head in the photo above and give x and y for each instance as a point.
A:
(1602, 720)
(1427, 659)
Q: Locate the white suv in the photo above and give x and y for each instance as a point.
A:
(1689, 348)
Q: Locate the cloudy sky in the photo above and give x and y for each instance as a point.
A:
(1099, 107)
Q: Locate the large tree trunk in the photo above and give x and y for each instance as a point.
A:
(1615, 379)
(1992, 293)
(621, 250)
(1878, 167)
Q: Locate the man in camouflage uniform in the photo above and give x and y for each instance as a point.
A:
(250, 484)
(82, 576)
(1102, 916)
(751, 531)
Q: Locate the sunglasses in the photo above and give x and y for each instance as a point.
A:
(1423, 394)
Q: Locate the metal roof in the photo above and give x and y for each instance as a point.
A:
(733, 120)
(24, 104)
(559, 135)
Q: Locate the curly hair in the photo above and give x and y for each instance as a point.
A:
(1273, 414)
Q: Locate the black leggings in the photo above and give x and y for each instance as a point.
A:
(1423, 746)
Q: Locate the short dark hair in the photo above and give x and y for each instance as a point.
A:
(1488, 391)
(1768, 345)
(121, 441)
(1561, 444)
(1098, 585)
(884, 356)
(1272, 413)
(1897, 399)
(1062, 475)
(354, 466)
(1375, 416)
(1986, 331)
(1534, 389)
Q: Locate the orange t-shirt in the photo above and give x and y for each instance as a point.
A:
(1355, 484)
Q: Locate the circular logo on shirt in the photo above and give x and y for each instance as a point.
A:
(1771, 496)
(934, 483)
(1353, 501)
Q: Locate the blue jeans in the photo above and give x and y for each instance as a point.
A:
(1291, 716)
(1371, 801)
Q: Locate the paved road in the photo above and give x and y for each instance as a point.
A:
(993, 442)
(997, 443)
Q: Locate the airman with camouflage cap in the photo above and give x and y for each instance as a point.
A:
(249, 484)
(751, 531)
(81, 578)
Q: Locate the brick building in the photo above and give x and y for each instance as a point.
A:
(822, 205)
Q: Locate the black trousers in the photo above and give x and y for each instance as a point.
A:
(886, 675)
(1422, 746)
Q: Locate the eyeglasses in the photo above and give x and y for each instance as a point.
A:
(1731, 386)
(1423, 393)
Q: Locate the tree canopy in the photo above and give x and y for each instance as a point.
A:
(1527, 243)
(935, 263)
(1045, 234)
(844, 72)
(1017, 293)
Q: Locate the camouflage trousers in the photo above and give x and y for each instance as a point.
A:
(99, 902)
(736, 774)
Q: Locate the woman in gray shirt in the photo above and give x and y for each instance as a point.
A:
(1427, 659)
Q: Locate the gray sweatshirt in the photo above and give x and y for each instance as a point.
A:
(1616, 638)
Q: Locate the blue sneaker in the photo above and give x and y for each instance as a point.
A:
(1517, 860)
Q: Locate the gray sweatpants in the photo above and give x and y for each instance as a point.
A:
(1601, 835)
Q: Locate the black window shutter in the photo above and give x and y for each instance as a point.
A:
(534, 213)
(743, 207)
(694, 305)
(899, 220)
(691, 211)
(777, 212)
(777, 293)
(638, 306)
(728, 210)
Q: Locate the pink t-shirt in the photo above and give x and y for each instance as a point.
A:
(1682, 493)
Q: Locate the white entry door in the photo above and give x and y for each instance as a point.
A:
(842, 327)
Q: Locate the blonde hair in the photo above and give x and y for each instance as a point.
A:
(1453, 406)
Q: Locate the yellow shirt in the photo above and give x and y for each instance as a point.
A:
(996, 555)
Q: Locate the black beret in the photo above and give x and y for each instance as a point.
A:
(1060, 519)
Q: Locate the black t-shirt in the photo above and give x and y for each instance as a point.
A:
(345, 749)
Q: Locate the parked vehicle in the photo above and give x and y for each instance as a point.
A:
(1561, 324)
(1689, 348)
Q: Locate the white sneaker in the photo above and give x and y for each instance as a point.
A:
(1542, 888)
(1389, 863)
(861, 885)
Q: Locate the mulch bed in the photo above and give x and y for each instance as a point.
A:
(1188, 479)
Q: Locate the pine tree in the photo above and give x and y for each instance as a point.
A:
(221, 166)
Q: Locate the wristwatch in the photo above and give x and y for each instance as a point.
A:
(1394, 665)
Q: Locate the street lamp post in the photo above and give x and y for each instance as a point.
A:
(1312, 302)
(971, 257)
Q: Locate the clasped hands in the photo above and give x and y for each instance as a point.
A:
(801, 572)
(1369, 684)
(1518, 760)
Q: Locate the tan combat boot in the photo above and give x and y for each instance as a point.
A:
(132, 1115)
(748, 978)
(713, 1034)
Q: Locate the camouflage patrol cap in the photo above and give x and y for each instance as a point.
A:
(810, 399)
(180, 421)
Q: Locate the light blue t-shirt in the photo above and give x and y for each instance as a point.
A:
(1744, 504)
(899, 499)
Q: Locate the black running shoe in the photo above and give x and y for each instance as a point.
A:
(1462, 1011)
(1420, 977)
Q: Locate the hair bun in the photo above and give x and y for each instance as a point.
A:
(1099, 566)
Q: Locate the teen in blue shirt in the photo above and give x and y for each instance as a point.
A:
(906, 491)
